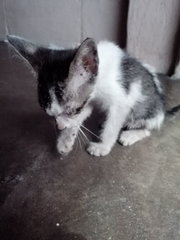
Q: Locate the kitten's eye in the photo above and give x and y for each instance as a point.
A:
(59, 93)
(72, 112)
(77, 110)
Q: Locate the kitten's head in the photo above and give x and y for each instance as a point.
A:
(66, 78)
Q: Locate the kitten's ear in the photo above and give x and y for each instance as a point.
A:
(84, 66)
(27, 49)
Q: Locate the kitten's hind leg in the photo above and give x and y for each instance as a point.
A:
(130, 137)
(133, 135)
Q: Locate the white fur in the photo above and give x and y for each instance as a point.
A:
(156, 122)
(108, 90)
(110, 95)
(67, 138)
(98, 149)
(158, 84)
(109, 74)
(130, 137)
(54, 109)
(177, 72)
(117, 113)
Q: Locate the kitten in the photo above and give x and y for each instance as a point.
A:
(70, 81)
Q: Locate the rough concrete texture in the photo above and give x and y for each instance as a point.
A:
(134, 193)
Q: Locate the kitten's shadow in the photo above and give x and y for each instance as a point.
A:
(13, 230)
(39, 129)
(65, 235)
(27, 135)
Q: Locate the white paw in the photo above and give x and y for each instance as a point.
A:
(126, 139)
(98, 149)
(130, 137)
(65, 144)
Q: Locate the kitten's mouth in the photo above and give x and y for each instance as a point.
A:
(57, 126)
(60, 125)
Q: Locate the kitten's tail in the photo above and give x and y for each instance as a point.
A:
(171, 113)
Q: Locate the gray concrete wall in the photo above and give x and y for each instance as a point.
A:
(2, 21)
(152, 27)
(43, 21)
(152, 24)
(64, 21)
(104, 19)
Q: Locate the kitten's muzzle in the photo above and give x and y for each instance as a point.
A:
(60, 124)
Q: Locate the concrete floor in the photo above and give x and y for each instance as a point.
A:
(134, 193)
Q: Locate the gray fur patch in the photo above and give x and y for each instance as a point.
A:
(152, 103)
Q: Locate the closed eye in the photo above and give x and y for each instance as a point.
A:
(74, 111)
(77, 110)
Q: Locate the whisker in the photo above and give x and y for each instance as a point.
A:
(81, 131)
(79, 143)
(81, 137)
(90, 131)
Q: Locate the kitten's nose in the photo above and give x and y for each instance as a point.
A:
(60, 124)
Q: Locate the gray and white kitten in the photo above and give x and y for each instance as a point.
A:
(69, 81)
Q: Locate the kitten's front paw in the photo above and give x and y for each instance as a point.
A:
(98, 149)
(65, 145)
